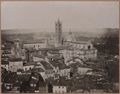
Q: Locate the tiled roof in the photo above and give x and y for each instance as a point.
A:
(49, 48)
(38, 56)
(23, 77)
(38, 70)
(15, 59)
(46, 65)
(82, 49)
(60, 82)
(29, 63)
(58, 64)
(53, 52)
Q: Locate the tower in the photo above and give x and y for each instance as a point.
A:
(17, 48)
(58, 33)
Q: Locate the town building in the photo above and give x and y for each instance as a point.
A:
(5, 65)
(40, 71)
(64, 72)
(8, 86)
(83, 70)
(50, 87)
(54, 54)
(59, 89)
(82, 50)
(56, 76)
(28, 66)
(37, 58)
(6, 50)
(15, 64)
(75, 60)
(37, 83)
(49, 73)
(35, 44)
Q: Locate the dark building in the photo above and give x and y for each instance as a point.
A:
(35, 83)
(50, 87)
(6, 50)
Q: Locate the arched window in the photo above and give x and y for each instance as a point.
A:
(89, 47)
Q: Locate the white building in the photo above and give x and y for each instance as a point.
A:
(49, 73)
(36, 45)
(36, 59)
(5, 66)
(64, 72)
(59, 89)
(28, 67)
(83, 50)
(82, 70)
(15, 64)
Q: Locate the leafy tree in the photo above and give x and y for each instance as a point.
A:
(109, 42)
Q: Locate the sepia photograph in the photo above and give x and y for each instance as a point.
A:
(60, 47)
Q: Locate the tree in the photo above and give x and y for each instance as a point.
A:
(109, 42)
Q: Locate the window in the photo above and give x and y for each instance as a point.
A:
(25, 69)
(89, 47)
(55, 91)
(30, 68)
(31, 85)
(34, 46)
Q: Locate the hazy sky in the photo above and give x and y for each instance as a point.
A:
(73, 14)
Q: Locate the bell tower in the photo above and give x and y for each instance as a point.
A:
(58, 33)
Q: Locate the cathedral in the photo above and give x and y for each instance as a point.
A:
(72, 48)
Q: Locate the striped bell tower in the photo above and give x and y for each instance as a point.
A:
(58, 33)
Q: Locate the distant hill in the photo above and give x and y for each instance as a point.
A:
(37, 34)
